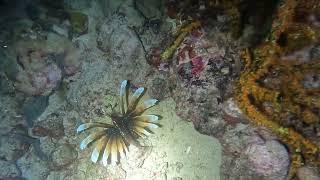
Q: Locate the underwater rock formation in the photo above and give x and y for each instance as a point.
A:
(115, 38)
(269, 159)
(41, 64)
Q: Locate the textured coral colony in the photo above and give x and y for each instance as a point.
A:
(274, 89)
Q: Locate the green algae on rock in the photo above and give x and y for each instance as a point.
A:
(79, 22)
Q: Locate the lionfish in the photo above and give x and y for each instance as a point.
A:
(128, 125)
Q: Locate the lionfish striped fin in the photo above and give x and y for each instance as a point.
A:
(114, 151)
(99, 148)
(130, 137)
(87, 126)
(124, 93)
(121, 149)
(144, 124)
(138, 133)
(107, 151)
(142, 130)
(92, 137)
(134, 100)
(147, 118)
(125, 146)
(144, 106)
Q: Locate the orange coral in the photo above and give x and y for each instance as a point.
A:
(271, 89)
(167, 54)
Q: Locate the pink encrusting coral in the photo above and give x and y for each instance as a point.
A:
(191, 59)
(41, 64)
(198, 65)
(46, 80)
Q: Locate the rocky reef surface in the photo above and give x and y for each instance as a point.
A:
(61, 63)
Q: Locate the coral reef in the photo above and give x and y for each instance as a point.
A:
(271, 90)
(37, 66)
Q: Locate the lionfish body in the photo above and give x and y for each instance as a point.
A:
(127, 127)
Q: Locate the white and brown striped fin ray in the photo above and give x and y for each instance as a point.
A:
(87, 126)
(124, 94)
(98, 150)
(146, 121)
(135, 98)
(91, 138)
(115, 148)
(143, 107)
(107, 151)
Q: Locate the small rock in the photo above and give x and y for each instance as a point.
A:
(231, 108)
(159, 89)
(79, 22)
(315, 52)
(33, 108)
(225, 70)
(117, 39)
(109, 7)
(177, 178)
(223, 18)
(63, 31)
(132, 16)
(32, 167)
(151, 8)
(11, 149)
(307, 173)
(64, 155)
(55, 175)
(77, 4)
(47, 145)
(9, 116)
(8, 170)
(54, 125)
(71, 121)
(311, 81)
(33, 11)
(269, 159)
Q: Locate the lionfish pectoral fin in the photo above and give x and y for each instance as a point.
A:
(88, 140)
(107, 151)
(114, 151)
(115, 148)
(147, 121)
(121, 150)
(87, 126)
(131, 140)
(144, 106)
(135, 98)
(144, 131)
(98, 149)
(124, 93)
